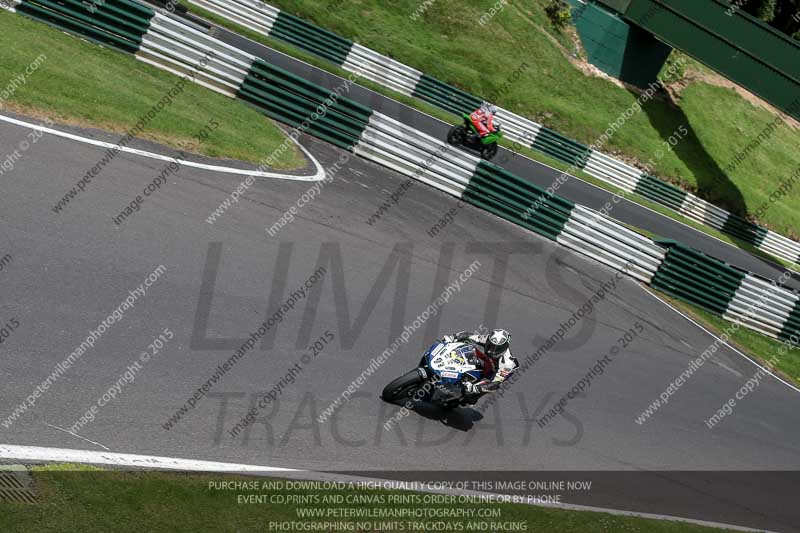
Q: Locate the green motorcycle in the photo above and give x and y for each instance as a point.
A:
(467, 135)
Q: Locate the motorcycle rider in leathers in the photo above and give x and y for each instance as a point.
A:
(493, 357)
(483, 119)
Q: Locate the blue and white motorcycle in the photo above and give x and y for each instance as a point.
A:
(439, 378)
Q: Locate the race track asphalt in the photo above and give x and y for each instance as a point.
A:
(70, 270)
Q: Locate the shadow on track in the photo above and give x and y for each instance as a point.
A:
(461, 418)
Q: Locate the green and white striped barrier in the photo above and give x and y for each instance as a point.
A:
(734, 294)
(631, 179)
(607, 241)
(415, 154)
(757, 304)
(185, 51)
(172, 45)
(273, 22)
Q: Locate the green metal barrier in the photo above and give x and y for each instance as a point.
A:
(119, 24)
(311, 38)
(697, 278)
(512, 198)
(562, 148)
(660, 192)
(745, 230)
(294, 100)
(445, 96)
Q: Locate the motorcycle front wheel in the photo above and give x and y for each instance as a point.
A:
(403, 387)
(457, 135)
(489, 151)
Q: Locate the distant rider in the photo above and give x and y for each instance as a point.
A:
(483, 119)
(494, 359)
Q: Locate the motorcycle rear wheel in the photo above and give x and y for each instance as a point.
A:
(403, 387)
(457, 135)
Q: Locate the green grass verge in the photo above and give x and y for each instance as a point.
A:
(84, 84)
(760, 347)
(447, 42)
(759, 174)
(94, 501)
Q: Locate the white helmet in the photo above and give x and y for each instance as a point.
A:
(491, 108)
(497, 343)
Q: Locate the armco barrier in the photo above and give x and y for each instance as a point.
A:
(183, 50)
(696, 278)
(271, 21)
(445, 96)
(291, 99)
(514, 199)
(727, 291)
(382, 70)
(416, 154)
(562, 148)
(738, 296)
(609, 242)
(116, 23)
(760, 307)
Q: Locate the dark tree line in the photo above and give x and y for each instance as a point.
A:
(783, 15)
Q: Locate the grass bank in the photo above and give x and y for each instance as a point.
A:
(89, 500)
(81, 83)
